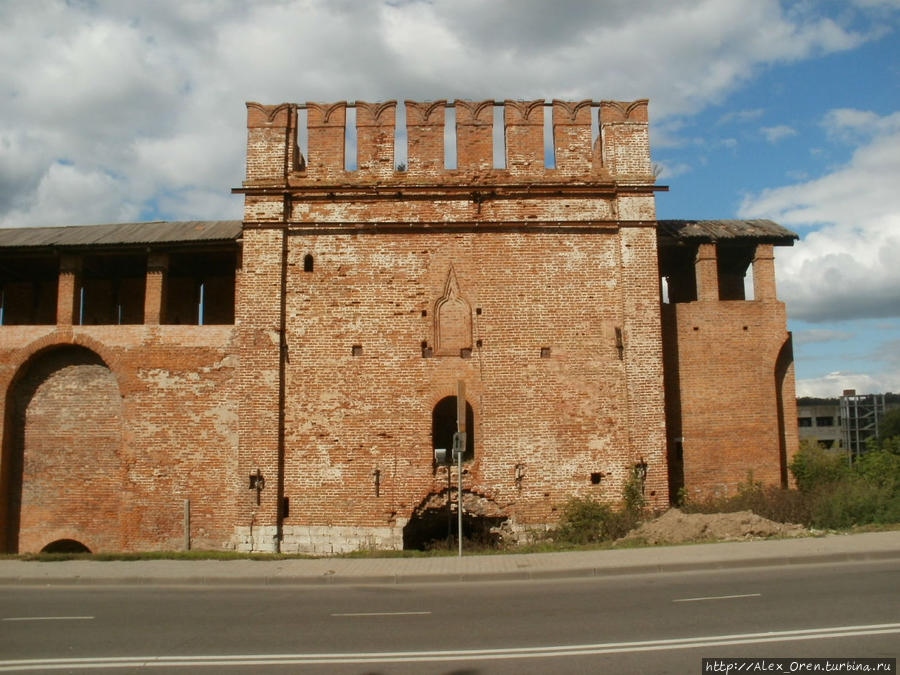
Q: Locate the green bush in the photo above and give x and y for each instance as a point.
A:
(585, 521)
(814, 467)
(831, 494)
(841, 495)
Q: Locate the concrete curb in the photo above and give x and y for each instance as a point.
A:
(513, 567)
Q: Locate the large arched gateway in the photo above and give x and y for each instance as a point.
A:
(62, 472)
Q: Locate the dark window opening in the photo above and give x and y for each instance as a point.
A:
(112, 290)
(545, 352)
(824, 421)
(28, 290)
(596, 477)
(804, 421)
(443, 426)
(285, 507)
(308, 263)
(199, 288)
(732, 264)
(676, 266)
(356, 350)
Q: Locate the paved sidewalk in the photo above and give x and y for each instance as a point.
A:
(832, 548)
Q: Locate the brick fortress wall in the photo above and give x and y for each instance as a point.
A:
(537, 287)
(108, 429)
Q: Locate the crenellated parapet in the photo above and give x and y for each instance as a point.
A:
(621, 151)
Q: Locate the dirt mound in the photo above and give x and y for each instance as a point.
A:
(675, 527)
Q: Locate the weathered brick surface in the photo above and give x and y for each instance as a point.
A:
(112, 428)
(362, 299)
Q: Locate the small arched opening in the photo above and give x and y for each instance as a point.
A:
(65, 546)
(308, 263)
(444, 425)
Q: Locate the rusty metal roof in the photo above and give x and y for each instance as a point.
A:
(122, 234)
(718, 230)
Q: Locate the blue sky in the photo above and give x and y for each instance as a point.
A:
(122, 111)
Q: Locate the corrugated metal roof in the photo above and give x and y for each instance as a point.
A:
(716, 230)
(121, 234)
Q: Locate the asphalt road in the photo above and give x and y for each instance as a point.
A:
(654, 623)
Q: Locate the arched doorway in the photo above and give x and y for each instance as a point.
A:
(62, 470)
(443, 426)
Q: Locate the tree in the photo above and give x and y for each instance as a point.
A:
(890, 424)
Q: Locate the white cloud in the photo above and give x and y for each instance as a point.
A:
(834, 384)
(70, 196)
(149, 93)
(847, 268)
(777, 133)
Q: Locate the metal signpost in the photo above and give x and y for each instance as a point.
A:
(459, 447)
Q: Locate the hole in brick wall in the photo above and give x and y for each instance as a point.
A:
(350, 159)
(466, 352)
(478, 311)
(285, 507)
(401, 147)
(545, 352)
(424, 312)
(65, 546)
(308, 263)
(696, 328)
(356, 350)
(478, 343)
(596, 477)
(549, 140)
(499, 137)
(429, 528)
(745, 327)
(449, 138)
(427, 352)
(595, 126)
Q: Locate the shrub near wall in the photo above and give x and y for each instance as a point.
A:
(831, 493)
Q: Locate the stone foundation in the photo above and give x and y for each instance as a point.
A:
(319, 540)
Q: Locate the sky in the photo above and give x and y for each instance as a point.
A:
(123, 111)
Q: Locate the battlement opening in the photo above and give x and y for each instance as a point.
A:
(112, 289)
(28, 290)
(351, 161)
(732, 263)
(499, 138)
(200, 288)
